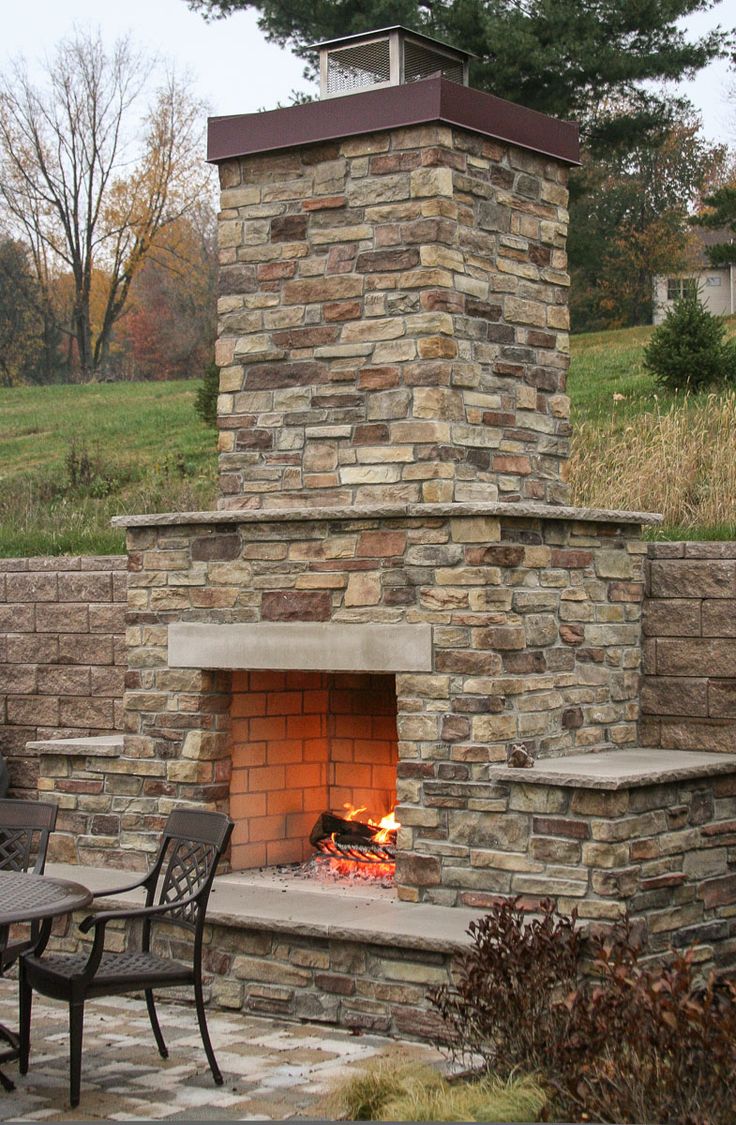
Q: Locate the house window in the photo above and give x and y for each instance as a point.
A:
(679, 287)
(713, 280)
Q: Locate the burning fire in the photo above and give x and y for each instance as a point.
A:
(386, 825)
(371, 858)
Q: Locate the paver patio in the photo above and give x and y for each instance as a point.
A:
(273, 1070)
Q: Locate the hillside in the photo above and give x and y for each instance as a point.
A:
(636, 447)
(73, 456)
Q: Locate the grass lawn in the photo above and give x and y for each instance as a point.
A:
(638, 447)
(72, 457)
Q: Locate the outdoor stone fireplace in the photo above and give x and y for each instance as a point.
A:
(393, 592)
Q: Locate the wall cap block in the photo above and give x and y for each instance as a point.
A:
(619, 769)
(97, 746)
(389, 511)
(304, 646)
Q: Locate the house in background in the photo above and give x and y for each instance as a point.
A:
(715, 285)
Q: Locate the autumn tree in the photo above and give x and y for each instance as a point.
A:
(169, 329)
(85, 199)
(20, 324)
(631, 223)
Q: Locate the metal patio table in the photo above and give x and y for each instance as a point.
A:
(33, 898)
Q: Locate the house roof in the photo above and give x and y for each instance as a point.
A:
(703, 237)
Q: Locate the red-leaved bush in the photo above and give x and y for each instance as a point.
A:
(614, 1040)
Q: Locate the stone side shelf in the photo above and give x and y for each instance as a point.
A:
(99, 797)
(620, 769)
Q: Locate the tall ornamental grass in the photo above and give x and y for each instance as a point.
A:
(679, 459)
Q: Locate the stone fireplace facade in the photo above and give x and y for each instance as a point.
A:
(531, 623)
(392, 594)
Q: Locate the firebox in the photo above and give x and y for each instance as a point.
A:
(306, 746)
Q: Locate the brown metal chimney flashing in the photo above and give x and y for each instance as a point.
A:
(418, 103)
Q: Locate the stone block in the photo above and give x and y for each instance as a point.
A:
(674, 695)
(693, 656)
(691, 578)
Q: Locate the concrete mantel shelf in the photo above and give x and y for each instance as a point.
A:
(389, 511)
(619, 769)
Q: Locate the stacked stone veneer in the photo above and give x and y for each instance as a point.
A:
(393, 322)
(535, 627)
(663, 852)
(689, 687)
(62, 655)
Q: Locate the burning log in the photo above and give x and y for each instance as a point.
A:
(346, 838)
(328, 824)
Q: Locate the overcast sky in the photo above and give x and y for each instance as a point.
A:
(233, 68)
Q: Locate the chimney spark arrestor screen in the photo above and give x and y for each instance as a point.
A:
(392, 56)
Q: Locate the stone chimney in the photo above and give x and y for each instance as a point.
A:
(393, 299)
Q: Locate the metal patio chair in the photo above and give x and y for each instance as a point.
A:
(177, 890)
(25, 827)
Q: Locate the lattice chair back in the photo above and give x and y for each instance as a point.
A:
(192, 844)
(25, 827)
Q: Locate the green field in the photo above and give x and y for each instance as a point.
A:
(73, 456)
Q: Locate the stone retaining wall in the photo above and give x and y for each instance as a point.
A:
(689, 653)
(62, 655)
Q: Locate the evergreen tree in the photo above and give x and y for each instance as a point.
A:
(721, 215)
(570, 58)
(689, 350)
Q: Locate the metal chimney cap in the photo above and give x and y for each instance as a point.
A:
(419, 35)
(388, 56)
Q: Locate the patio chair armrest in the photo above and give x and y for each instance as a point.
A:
(101, 920)
(122, 890)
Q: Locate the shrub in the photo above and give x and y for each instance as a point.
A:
(613, 1039)
(647, 1044)
(506, 1005)
(205, 402)
(688, 351)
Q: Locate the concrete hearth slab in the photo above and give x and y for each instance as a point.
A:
(245, 901)
(619, 769)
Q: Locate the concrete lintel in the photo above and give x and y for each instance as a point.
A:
(303, 646)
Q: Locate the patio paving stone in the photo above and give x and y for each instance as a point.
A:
(273, 1070)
